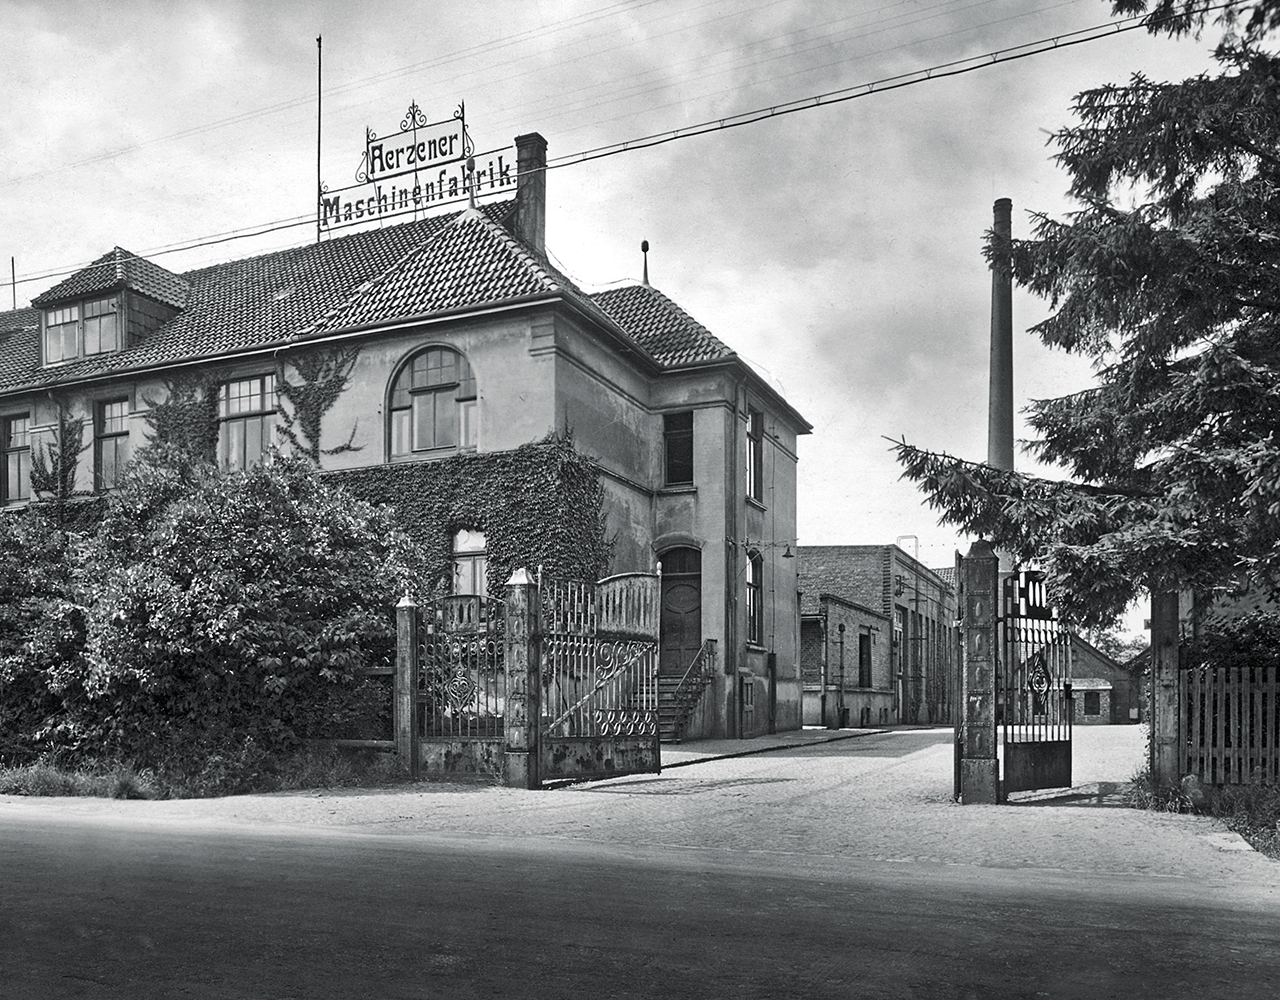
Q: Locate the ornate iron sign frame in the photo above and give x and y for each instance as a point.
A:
(429, 164)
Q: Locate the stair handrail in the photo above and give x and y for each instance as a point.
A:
(685, 696)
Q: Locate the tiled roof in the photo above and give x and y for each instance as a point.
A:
(470, 262)
(428, 267)
(19, 344)
(115, 270)
(660, 326)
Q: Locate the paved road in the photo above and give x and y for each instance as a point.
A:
(815, 872)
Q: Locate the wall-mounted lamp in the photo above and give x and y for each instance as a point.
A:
(787, 553)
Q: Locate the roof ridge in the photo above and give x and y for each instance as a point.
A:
(342, 238)
(379, 279)
(558, 281)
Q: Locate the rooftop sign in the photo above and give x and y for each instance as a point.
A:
(423, 165)
(419, 145)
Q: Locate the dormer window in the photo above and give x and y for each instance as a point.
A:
(81, 329)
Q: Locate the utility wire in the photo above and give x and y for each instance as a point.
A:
(937, 72)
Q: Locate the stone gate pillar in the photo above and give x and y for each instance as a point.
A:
(979, 767)
(524, 690)
(404, 700)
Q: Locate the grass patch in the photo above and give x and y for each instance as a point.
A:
(1252, 810)
(207, 772)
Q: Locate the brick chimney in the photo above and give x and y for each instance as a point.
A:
(531, 190)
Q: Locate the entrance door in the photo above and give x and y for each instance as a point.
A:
(681, 610)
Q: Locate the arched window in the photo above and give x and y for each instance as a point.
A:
(433, 404)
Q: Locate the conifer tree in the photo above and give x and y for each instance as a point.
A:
(1167, 277)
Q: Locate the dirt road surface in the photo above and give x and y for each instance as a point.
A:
(838, 869)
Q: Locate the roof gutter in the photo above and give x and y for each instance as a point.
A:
(294, 340)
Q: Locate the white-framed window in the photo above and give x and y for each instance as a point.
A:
(246, 421)
(755, 604)
(110, 443)
(81, 329)
(470, 563)
(15, 445)
(433, 404)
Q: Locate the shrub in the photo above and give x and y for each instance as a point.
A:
(210, 618)
(245, 610)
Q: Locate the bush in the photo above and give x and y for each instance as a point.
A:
(212, 619)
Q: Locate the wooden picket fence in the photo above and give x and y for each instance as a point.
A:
(1231, 719)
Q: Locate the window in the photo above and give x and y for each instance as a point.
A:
(15, 441)
(433, 404)
(755, 454)
(864, 660)
(1093, 703)
(246, 421)
(755, 609)
(470, 563)
(677, 438)
(81, 329)
(110, 443)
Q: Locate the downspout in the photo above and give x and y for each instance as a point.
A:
(822, 696)
(732, 543)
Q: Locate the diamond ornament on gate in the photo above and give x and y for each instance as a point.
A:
(460, 689)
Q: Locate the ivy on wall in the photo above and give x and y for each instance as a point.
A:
(539, 505)
(53, 467)
(186, 420)
(324, 377)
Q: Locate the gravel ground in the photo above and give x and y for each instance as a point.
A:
(882, 797)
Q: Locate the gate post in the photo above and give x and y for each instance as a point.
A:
(1167, 750)
(404, 712)
(524, 688)
(979, 767)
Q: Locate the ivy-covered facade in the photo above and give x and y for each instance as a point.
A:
(445, 367)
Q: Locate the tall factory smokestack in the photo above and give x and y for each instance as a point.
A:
(1000, 401)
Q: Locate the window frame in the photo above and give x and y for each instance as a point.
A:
(117, 439)
(755, 455)
(74, 322)
(405, 405)
(264, 415)
(1096, 697)
(677, 449)
(18, 455)
(470, 554)
(755, 599)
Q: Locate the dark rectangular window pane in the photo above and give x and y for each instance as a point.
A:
(678, 445)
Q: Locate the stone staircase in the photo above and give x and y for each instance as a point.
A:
(679, 696)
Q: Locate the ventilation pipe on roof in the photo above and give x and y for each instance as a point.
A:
(531, 190)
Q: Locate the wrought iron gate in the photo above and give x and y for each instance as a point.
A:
(599, 676)
(1034, 705)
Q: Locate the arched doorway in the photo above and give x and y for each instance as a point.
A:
(681, 627)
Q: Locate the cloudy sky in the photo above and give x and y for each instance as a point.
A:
(838, 249)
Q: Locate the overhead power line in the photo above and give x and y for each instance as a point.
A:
(939, 71)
